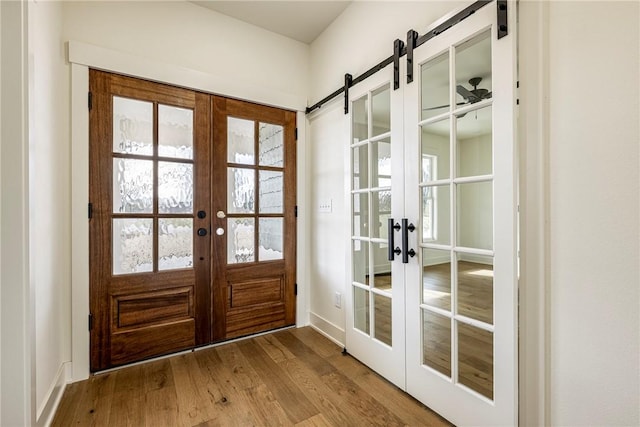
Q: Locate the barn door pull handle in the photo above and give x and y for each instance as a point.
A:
(406, 252)
(390, 230)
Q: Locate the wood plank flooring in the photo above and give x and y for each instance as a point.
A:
(294, 377)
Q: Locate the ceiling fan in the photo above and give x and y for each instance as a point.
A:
(470, 96)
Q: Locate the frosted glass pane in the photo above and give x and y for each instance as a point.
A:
(360, 161)
(434, 81)
(381, 111)
(270, 239)
(240, 240)
(475, 287)
(175, 132)
(132, 126)
(175, 243)
(475, 215)
(240, 141)
(359, 120)
(132, 245)
(434, 147)
(271, 194)
(474, 140)
(175, 187)
(240, 190)
(436, 278)
(271, 145)
(436, 342)
(361, 309)
(382, 318)
(361, 262)
(132, 186)
(381, 168)
(475, 359)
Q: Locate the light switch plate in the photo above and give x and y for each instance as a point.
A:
(325, 206)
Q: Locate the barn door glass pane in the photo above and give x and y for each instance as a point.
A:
(474, 144)
(436, 342)
(475, 359)
(382, 318)
(473, 70)
(435, 86)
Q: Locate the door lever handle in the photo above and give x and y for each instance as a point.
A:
(406, 252)
(391, 227)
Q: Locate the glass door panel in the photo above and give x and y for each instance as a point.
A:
(375, 332)
(459, 115)
(435, 86)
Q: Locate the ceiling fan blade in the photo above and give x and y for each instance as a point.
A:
(488, 96)
(467, 94)
(443, 106)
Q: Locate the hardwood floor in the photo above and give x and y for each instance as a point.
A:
(292, 377)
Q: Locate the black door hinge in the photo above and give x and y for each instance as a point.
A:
(90, 101)
(90, 321)
(295, 211)
(296, 134)
(90, 210)
(295, 289)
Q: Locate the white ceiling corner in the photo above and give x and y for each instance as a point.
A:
(301, 20)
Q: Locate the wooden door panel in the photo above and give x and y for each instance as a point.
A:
(246, 294)
(138, 315)
(151, 308)
(257, 295)
(139, 344)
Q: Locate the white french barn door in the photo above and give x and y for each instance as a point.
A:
(461, 192)
(375, 332)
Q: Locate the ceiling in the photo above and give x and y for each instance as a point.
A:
(301, 20)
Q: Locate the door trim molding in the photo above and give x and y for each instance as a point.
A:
(82, 56)
(533, 140)
(135, 66)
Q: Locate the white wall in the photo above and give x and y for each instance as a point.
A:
(16, 399)
(594, 202)
(182, 33)
(49, 200)
(359, 38)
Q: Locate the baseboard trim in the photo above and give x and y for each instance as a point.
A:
(48, 409)
(328, 329)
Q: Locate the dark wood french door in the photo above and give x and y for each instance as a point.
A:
(160, 280)
(253, 217)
